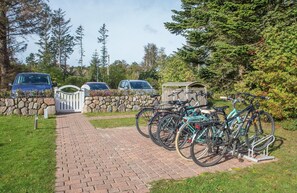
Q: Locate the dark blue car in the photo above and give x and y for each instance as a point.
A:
(29, 82)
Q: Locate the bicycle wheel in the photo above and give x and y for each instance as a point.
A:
(260, 133)
(153, 127)
(142, 120)
(208, 148)
(183, 141)
(167, 129)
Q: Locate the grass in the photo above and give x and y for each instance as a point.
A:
(110, 113)
(112, 123)
(27, 156)
(279, 176)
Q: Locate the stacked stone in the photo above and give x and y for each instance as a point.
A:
(27, 106)
(116, 103)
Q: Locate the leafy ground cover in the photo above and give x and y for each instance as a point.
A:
(277, 176)
(27, 156)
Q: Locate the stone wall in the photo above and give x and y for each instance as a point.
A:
(27, 106)
(116, 103)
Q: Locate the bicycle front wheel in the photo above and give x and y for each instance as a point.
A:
(260, 132)
(167, 129)
(183, 141)
(209, 148)
(142, 120)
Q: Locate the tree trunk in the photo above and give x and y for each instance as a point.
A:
(4, 57)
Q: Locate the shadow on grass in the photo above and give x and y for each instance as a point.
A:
(279, 141)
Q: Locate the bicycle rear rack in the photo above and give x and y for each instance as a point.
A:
(252, 154)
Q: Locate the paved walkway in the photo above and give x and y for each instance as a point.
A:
(116, 160)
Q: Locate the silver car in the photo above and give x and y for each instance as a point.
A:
(136, 85)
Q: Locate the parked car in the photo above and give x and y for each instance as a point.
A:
(88, 86)
(136, 85)
(30, 82)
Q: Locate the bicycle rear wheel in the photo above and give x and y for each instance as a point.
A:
(261, 132)
(167, 129)
(142, 120)
(209, 148)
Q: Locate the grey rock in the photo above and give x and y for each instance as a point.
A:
(109, 109)
(51, 110)
(2, 110)
(21, 104)
(136, 108)
(49, 101)
(87, 102)
(9, 111)
(122, 108)
(17, 111)
(24, 111)
(32, 111)
(87, 109)
(30, 106)
(9, 102)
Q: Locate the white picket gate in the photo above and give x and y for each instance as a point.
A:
(67, 102)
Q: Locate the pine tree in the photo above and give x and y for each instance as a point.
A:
(150, 56)
(103, 39)
(60, 30)
(79, 41)
(274, 67)
(44, 53)
(221, 35)
(94, 71)
(62, 42)
(17, 19)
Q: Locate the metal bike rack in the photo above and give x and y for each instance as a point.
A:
(265, 153)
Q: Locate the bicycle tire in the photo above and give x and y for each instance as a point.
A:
(210, 148)
(183, 141)
(262, 127)
(167, 129)
(142, 120)
(153, 127)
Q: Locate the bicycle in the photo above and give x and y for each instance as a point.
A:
(169, 124)
(144, 115)
(161, 112)
(257, 127)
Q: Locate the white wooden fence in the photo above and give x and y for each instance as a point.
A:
(67, 102)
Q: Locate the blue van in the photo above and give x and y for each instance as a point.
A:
(31, 82)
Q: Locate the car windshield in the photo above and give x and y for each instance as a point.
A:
(98, 86)
(33, 79)
(140, 85)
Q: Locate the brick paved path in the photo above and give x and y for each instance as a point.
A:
(116, 160)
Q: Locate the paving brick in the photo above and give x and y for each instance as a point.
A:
(116, 160)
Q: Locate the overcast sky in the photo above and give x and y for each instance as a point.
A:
(131, 25)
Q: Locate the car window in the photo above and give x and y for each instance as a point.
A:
(98, 86)
(126, 84)
(121, 85)
(32, 79)
(139, 85)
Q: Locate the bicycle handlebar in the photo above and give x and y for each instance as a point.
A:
(254, 96)
(175, 93)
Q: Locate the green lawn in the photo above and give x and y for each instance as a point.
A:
(278, 176)
(110, 113)
(115, 122)
(27, 156)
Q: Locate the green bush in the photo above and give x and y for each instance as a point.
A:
(4, 94)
